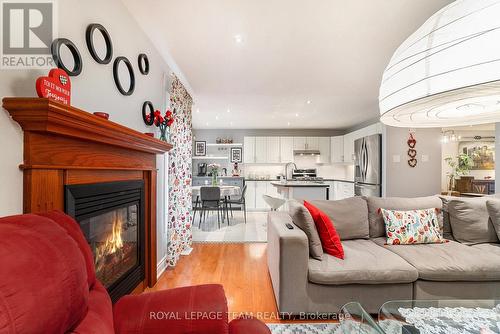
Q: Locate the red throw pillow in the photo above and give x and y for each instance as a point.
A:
(330, 240)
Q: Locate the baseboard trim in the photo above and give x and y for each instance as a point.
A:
(161, 267)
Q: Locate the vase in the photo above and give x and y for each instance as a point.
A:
(215, 180)
(164, 133)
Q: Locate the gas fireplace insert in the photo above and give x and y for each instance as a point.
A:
(111, 216)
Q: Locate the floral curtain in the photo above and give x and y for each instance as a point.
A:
(179, 173)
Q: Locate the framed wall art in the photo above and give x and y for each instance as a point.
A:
(200, 148)
(236, 154)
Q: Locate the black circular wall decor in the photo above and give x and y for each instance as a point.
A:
(56, 55)
(89, 36)
(143, 62)
(145, 106)
(117, 77)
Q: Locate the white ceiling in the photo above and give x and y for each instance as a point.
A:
(330, 52)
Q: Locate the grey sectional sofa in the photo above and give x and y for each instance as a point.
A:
(372, 272)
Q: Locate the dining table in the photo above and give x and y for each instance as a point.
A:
(225, 193)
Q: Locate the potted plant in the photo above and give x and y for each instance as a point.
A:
(163, 123)
(214, 169)
(459, 166)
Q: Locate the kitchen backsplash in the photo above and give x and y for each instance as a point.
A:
(337, 171)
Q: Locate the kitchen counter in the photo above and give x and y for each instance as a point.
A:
(338, 180)
(299, 184)
(302, 190)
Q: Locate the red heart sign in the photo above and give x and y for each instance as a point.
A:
(57, 86)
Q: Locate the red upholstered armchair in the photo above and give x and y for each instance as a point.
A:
(48, 285)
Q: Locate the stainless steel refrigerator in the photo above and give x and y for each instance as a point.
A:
(368, 166)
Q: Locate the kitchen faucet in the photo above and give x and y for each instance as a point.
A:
(286, 169)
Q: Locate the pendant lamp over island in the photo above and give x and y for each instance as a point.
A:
(447, 73)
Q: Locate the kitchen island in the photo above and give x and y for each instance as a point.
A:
(302, 190)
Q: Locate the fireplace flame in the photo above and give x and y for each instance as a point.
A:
(113, 243)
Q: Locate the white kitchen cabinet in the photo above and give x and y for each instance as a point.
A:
(273, 150)
(341, 190)
(337, 149)
(347, 189)
(260, 191)
(261, 149)
(249, 150)
(324, 150)
(286, 149)
(299, 143)
(312, 143)
(250, 194)
(349, 148)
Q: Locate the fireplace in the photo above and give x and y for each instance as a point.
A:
(111, 216)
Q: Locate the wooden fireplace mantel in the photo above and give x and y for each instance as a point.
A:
(64, 145)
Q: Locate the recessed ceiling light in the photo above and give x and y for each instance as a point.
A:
(231, 123)
(198, 110)
(228, 110)
(288, 123)
(216, 117)
(208, 124)
(309, 102)
(238, 39)
(296, 114)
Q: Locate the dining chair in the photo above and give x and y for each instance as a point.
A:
(240, 201)
(210, 201)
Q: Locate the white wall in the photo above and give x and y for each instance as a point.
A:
(93, 90)
(497, 154)
(401, 179)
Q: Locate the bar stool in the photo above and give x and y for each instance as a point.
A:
(274, 202)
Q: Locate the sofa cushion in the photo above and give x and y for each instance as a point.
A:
(451, 261)
(493, 207)
(488, 248)
(330, 240)
(350, 216)
(303, 219)
(43, 281)
(191, 309)
(73, 229)
(470, 221)
(364, 263)
(99, 318)
(377, 226)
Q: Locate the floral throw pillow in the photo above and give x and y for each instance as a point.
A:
(412, 227)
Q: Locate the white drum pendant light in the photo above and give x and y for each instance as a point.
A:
(448, 72)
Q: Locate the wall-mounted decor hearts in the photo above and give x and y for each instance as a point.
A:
(56, 86)
(412, 152)
(77, 58)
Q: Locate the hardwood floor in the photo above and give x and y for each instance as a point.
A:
(240, 268)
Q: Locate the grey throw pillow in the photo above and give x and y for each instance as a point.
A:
(470, 221)
(349, 216)
(493, 207)
(303, 219)
(447, 233)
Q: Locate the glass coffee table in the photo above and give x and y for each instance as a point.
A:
(355, 320)
(440, 317)
(424, 317)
